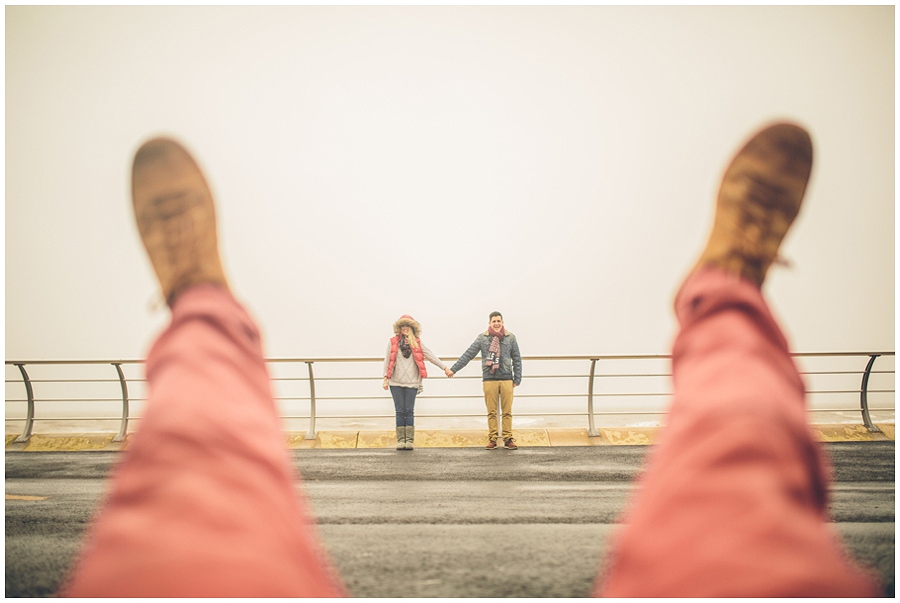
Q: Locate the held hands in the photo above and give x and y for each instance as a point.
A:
(448, 372)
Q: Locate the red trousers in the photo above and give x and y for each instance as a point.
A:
(732, 503)
(205, 501)
(733, 500)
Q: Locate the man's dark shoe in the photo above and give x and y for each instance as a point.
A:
(510, 444)
(491, 445)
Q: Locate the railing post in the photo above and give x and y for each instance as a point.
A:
(864, 396)
(592, 430)
(123, 429)
(29, 419)
(311, 434)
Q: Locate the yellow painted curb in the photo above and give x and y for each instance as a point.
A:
(65, 443)
(529, 437)
(430, 438)
(630, 436)
(337, 439)
(570, 437)
(298, 440)
(887, 429)
(377, 439)
(847, 433)
(444, 438)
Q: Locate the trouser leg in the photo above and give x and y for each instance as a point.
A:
(404, 404)
(733, 501)
(491, 402)
(399, 405)
(410, 406)
(410, 416)
(204, 502)
(506, 402)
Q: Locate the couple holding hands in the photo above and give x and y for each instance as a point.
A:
(501, 367)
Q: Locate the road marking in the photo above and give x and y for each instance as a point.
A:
(20, 497)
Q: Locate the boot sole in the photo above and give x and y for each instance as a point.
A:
(176, 217)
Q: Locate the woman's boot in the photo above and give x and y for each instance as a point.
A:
(401, 437)
(410, 436)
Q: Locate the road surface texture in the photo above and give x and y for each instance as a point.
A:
(436, 522)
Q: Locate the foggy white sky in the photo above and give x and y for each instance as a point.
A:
(556, 164)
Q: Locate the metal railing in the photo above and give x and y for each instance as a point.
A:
(628, 384)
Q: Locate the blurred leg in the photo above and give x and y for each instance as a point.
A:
(734, 498)
(205, 501)
(733, 502)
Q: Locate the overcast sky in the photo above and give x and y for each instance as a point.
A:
(556, 164)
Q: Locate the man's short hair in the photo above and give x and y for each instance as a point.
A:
(493, 314)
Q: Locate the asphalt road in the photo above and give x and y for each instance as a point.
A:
(437, 522)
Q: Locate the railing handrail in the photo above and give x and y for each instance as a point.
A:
(310, 361)
(280, 359)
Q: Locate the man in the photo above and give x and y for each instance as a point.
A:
(501, 368)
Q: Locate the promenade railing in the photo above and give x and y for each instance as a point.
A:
(571, 391)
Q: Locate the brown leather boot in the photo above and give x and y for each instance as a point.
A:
(176, 217)
(758, 200)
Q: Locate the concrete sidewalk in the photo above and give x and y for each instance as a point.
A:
(449, 438)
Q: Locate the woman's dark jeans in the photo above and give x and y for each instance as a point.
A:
(404, 404)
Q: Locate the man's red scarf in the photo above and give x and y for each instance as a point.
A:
(494, 351)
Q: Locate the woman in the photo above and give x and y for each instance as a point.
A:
(404, 369)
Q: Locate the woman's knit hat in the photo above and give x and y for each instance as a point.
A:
(408, 321)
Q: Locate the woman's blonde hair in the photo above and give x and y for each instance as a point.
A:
(411, 339)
